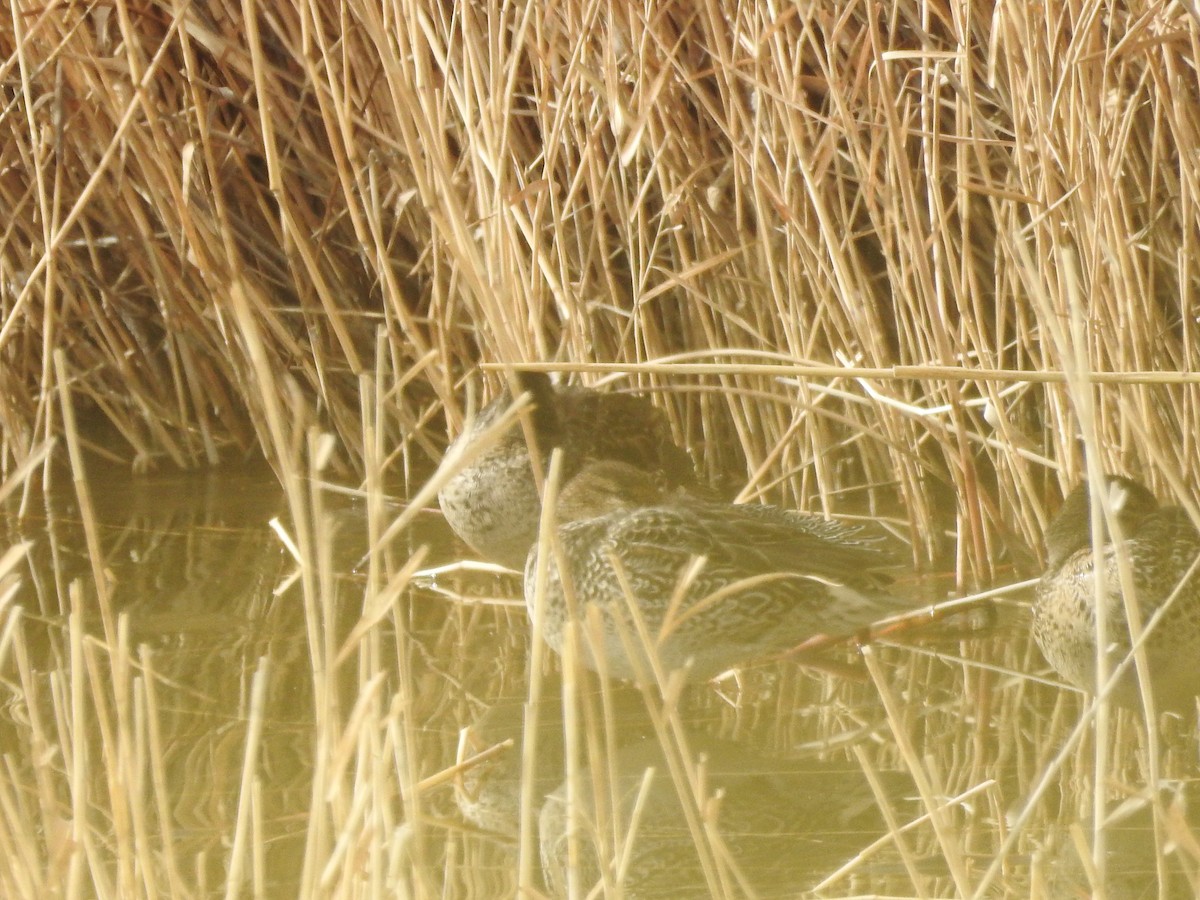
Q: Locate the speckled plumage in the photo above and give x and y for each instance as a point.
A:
(1160, 545)
(493, 503)
(775, 577)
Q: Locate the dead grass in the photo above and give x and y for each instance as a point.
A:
(918, 257)
(214, 222)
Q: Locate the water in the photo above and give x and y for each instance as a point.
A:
(125, 753)
(190, 566)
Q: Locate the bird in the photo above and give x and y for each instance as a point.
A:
(1159, 544)
(716, 584)
(493, 503)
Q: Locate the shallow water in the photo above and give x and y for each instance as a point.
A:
(200, 592)
(189, 566)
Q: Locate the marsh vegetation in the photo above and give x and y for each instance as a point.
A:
(927, 264)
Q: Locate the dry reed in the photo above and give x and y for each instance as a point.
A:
(924, 257)
(214, 211)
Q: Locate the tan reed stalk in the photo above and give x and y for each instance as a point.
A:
(23, 873)
(921, 772)
(158, 776)
(239, 853)
(79, 477)
(527, 842)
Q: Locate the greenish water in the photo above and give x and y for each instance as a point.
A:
(204, 592)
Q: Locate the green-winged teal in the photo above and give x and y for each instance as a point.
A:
(1160, 545)
(770, 578)
(493, 504)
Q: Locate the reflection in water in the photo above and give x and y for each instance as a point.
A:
(175, 757)
(736, 815)
(765, 825)
(190, 565)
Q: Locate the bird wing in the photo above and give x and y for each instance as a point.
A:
(753, 540)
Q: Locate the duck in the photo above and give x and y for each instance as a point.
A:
(493, 504)
(1160, 545)
(716, 584)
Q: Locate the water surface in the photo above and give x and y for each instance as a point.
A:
(139, 739)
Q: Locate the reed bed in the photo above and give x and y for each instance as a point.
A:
(218, 209)
(930, 263)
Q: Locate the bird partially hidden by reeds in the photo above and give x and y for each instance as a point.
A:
(1158, 546)
(714, 584)
(493, 504)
